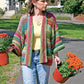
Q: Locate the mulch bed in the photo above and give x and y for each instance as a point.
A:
(80, 17)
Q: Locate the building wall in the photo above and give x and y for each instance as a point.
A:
(2, 4)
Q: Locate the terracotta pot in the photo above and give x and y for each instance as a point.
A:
(58, 77)
(3, 58)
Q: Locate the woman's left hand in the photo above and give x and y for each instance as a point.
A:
(57, 60)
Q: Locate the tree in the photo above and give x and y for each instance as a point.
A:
(74, 6)
(63, 1)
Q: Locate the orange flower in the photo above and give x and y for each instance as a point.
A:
(2, 35)
(70, 55)
(74, 61)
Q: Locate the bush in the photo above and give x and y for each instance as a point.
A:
(73, 6)
(17, 16)
(1, 11)
(23, 10)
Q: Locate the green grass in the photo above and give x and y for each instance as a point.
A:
(5, 70)
(71, 30)
(9, 24)
(17, 16)
(66, 29)
(62, 18)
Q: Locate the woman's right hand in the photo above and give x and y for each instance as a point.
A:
(9, 49)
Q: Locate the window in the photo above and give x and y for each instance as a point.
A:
(52, 1)
(13, 2)
(10, 2)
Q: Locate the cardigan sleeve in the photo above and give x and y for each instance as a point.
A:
(17, 39)
(57, 44)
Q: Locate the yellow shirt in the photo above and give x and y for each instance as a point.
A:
(36, 35)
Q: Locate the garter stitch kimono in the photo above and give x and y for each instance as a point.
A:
(50, 39)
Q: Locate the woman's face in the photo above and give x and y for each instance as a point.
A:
(41, 4)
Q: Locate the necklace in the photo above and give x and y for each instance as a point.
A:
(38, 23)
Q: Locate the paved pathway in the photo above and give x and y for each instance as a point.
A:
(75, 46)
(8, 14)
(74, 21)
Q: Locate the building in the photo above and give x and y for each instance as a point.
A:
(10, 4)
(13, 4)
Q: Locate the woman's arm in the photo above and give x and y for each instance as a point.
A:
(57, 59)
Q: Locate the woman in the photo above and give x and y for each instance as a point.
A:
(36, 40)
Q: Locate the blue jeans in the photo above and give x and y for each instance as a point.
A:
(35, 71)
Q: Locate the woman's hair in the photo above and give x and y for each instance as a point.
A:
(30, 7)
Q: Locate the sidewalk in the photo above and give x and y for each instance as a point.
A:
(10, 33)
(71, 21)
(75, 46)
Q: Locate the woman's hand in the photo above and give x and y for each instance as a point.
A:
(57, 60)
(9, 49)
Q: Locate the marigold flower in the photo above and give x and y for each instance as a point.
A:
(70, 65)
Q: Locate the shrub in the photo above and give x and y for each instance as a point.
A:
(73, 6)
(23, 10)
(1, 11)
(5, 41)
(17, 16)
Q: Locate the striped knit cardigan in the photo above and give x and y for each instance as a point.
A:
(50, 39)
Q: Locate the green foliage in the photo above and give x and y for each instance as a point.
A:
(63, 1)
(66, 29)
(9, 24)
(7, 70)
(62, 18)
(1, 11)
(73, 6)
(5, 42)
(17, 16)
(23, 10)
(71, 30)
(65, 71)
(82, 7)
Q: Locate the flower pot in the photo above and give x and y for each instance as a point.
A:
(58, 77)
(3, 58)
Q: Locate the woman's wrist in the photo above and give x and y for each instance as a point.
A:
(56, 55)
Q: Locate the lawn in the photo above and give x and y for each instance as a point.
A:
(9, 72)
(66, 29)
(9, 24)
(71, 30)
